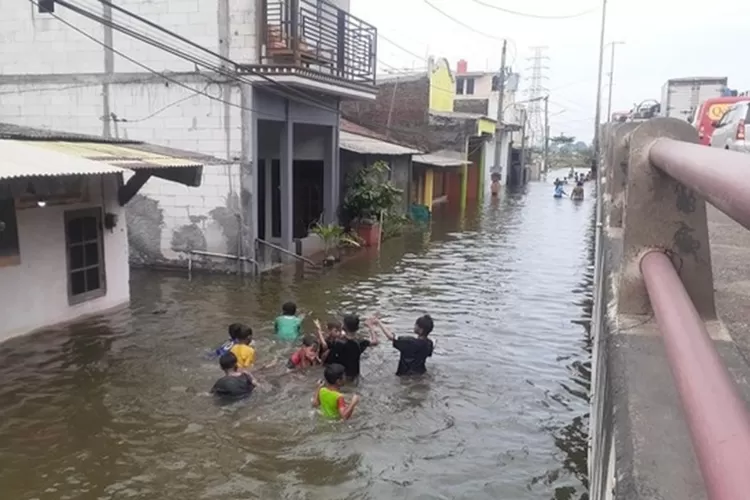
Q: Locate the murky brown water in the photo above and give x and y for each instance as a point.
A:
(117, 408)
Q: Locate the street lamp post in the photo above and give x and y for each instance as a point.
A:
(611, 77)
(598, 113)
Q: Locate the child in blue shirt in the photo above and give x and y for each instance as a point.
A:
(234, 328)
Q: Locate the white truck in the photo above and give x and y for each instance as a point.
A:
(680, 97)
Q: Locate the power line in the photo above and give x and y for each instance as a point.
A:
(182, 55)
(533, 16)
(471, 28)
(421, 58)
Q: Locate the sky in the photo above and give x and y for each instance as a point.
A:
(662, 39)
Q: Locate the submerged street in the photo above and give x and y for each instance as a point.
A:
(118, 408)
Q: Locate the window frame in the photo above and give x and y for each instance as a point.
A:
(41, 7)
(12, 260)
(470, 86)
(102, 290)
(460, 85)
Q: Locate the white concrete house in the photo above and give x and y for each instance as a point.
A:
(476, 92)
(63, 234)
(255, 82)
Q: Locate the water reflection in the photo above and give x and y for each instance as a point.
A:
(117, 407)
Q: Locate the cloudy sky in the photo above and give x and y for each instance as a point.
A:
(663, 39)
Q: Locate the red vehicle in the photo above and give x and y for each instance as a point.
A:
(710, 112)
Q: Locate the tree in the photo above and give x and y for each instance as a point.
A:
(562, 140)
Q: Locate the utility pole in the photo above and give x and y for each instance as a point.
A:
(499, 131)
(598, 113)
(546, 133)
(611, 78)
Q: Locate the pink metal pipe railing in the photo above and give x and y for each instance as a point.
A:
(715, 413)
(720, 177)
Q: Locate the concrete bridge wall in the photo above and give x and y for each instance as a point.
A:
(640, 445)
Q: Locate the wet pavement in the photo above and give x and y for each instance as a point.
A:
(118, 408)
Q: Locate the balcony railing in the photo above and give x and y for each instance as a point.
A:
(315, 36)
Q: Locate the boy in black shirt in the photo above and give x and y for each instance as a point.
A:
(235, 383)
(414, 351)
(348, 350)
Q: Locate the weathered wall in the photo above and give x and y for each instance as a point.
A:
(165, 216)
(478, 106)
(410, 108)
(399, 175)
(41, 44)
(35, 292)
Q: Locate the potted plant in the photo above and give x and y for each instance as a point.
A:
(333, 236)
(368, 199)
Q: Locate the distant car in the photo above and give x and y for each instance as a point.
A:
(710, 112)
(731, 131)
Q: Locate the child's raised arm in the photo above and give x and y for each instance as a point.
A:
(321, 337)
(370, 322)
(386, 331)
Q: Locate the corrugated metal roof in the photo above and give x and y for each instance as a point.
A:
(21, 159)
(367, 145)
(131, 156)
(20, 132)
(439, 160)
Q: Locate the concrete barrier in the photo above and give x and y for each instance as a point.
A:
(661, 213)
(620, 149)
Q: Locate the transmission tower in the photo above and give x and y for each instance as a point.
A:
(534, 94)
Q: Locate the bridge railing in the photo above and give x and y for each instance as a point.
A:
(657, 180)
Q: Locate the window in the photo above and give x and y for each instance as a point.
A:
(459, 86)
(9, 248)
(469, 86)
(46, 6)
(83, 232)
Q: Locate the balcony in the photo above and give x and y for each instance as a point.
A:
(316, 40)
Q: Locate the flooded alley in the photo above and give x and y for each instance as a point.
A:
(117, 408)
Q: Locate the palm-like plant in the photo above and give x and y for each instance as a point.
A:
(333, 237)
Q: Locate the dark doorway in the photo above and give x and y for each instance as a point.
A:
(308, 195)
(272, 168)
(307, 202)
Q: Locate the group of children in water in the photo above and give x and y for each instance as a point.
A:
(338, 348)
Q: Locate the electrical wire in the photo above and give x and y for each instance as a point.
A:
(196, 60)
(534, 16)
(474, 30)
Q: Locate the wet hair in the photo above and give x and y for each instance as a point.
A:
(425, 324)
(289, 309)
(309, 341)
(351, 323)
(233, 329)
(333, 325)
(228, 361)
(243, 333)
(333, 373)
(579, 183)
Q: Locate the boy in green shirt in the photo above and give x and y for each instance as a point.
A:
(329, 398)
(288, 326)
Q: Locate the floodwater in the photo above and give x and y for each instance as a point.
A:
(117, 408)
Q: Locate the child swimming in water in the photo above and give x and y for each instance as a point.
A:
(348, 350)
(307, 355)
(235, 383)
(242, 349)
(227, 346)
(288, 326)
(329, 398)
(414, 350)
